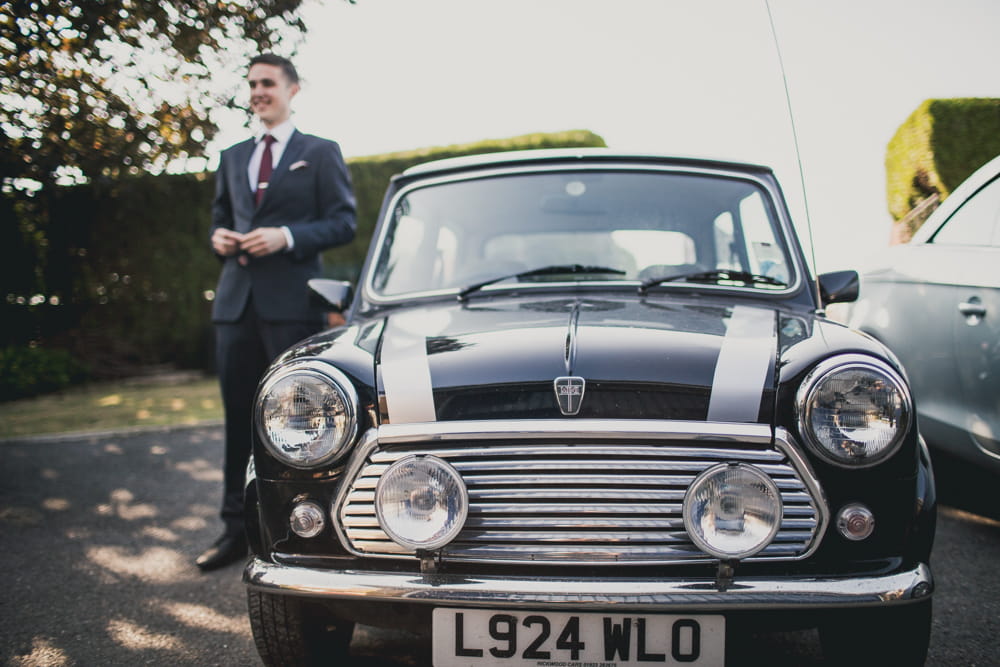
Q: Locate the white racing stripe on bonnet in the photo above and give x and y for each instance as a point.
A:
(741, 370)
(406, 372)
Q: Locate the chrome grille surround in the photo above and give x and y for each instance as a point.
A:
(589, 492)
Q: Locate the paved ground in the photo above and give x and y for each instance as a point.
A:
(98, 537)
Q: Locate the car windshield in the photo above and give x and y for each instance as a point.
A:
(629, 226)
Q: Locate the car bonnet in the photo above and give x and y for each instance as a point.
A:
(621, 358)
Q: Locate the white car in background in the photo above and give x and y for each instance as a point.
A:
(935, 302)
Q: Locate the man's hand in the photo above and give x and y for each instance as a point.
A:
(226, 242)
(263, 241)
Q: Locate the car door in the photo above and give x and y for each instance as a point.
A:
(909, 305)
(968, 243)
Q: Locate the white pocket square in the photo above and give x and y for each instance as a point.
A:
(301, 164)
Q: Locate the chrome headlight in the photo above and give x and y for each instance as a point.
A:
(307, 414)
(421, 502)
(732, 511)
(854, 410)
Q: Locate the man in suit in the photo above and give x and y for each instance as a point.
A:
(280, 199)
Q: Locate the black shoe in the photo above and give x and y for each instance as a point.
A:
(229, 548)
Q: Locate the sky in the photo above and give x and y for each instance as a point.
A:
(678, 77)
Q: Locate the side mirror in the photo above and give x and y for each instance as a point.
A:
(839, 287)
(335, 295)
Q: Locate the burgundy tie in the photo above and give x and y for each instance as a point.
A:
(266, 167)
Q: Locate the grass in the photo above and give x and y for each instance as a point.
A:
(163, 400)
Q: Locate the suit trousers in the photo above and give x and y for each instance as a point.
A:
(244, 350)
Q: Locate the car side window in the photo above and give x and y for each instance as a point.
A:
(976, 222)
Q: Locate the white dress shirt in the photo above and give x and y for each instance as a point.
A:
(281, 133)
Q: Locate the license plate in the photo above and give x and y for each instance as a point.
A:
(478, 637)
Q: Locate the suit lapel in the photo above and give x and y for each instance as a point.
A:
(240, 183)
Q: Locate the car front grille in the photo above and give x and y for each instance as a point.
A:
(607, 502)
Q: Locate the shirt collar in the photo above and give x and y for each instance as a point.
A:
(281, 133)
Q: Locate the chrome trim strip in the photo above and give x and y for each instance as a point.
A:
(369, 441)
(575, 429)
(760, 457)
(783, 441)
(745, 593)
(571, 339)
(780, 211)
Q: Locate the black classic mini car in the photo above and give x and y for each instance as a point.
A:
(586, 410)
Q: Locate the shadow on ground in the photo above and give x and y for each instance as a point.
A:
(99, 539)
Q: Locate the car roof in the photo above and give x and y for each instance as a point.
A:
(966, 189)
(591, 155)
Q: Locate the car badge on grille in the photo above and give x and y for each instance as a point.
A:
(569, 394)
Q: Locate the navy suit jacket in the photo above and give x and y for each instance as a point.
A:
(315, 201)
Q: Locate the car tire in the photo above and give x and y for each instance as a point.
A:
(290, 632)
(879, 636)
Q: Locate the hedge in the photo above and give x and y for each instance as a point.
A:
(938, 146)
(118, 272)
(28, 371)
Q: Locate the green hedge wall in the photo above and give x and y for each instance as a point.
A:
(117, 272)
(120, 272)
(940, 144)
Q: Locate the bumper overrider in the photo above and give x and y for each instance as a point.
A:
(702, 595)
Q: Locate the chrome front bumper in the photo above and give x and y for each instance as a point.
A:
(745, 593)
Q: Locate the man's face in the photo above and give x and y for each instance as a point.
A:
(271, 93)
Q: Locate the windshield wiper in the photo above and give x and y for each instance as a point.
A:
(555, 269)
(716, 276)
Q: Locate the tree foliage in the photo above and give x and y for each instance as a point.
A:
(114, 87)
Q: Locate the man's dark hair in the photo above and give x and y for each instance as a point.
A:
(284, 63)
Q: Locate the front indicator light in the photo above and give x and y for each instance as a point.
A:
(307, 519)
(421, 502)
(855, 522)
(732, 511)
